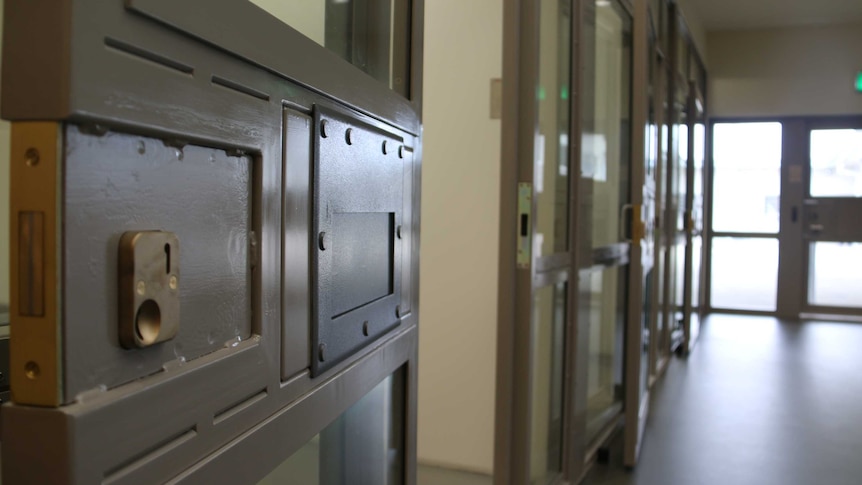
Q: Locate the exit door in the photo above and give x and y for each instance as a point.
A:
(214, 254)
(832, 236)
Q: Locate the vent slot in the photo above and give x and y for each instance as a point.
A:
(239, 407)
(149, 55)
(241, 88)
(128, 467)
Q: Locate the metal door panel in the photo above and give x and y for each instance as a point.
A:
(133, 78)
(832, 219)
(116, 183)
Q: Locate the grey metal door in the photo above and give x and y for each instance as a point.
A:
(215, 241)
(832, 238)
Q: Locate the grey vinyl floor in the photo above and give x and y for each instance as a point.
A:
(758, 402)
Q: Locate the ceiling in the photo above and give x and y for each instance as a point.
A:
(757, 14)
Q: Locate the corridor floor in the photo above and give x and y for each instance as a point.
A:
(758, 402)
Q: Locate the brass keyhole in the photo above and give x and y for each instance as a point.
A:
(148, 322)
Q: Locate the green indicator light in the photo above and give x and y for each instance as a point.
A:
(541, 93)
(859, 83)
(565, 93)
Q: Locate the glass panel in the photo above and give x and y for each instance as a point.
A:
(836, 274)
(603, 295)
(363, 445)
(549, 321)
(696, 259)
(744, 273)
(551, 181)
(362, 32)
(747, 177)
(606, 124)
(836, 163)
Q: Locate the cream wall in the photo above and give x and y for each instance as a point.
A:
(306, 16)
(785, 72)
(696, 28)
(460, 224)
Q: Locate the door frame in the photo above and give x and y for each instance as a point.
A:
(517, 282)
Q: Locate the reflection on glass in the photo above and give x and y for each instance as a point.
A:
(835, 274)
(551, 180)
(606, 143)
(602, 295)
(4, 224)
(836, 163)
(362, 32)
(365, 445)
(747, 177)
(546, 446)
(744, 273)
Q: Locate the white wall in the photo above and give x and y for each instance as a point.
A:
(460, 225)
(785, 72)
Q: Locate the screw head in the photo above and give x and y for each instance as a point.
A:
(322, 241)
(348, 136)
(365, 328)
(31, 156)
(141, 288)
(172, 282)
(320, 350)
(323, 125)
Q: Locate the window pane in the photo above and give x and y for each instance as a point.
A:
(546, 447)
(836, 274)
(551, 181)
(744, 273)
(836, 163)
(602, 295)
(362, 32)
(371, 430)
(747, 158)
(606, 105)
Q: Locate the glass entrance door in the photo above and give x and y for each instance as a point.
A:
(604, 247)
(832, 242)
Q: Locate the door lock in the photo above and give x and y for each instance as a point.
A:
(149, 272)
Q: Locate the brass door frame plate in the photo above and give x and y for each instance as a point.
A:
(149, 272)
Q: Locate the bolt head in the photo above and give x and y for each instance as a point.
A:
(323, 125)
(322, 241)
